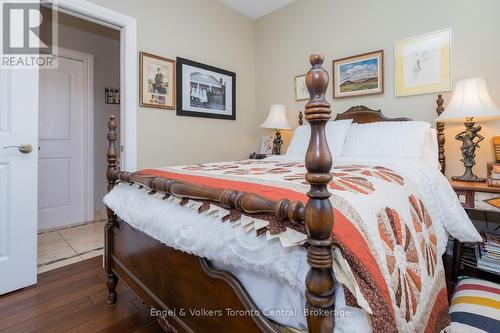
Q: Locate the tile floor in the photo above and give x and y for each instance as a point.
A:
(57, 248)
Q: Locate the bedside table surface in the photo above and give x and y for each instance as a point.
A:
(473, 186)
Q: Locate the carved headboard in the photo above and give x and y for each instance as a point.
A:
(360, 114)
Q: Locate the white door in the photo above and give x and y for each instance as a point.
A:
(18, 178)
(61, 133)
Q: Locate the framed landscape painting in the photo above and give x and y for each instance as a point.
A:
(423, 64)
(157, 81)
(359, 75)
(205, 91)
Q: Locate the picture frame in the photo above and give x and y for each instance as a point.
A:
(157, 84)
(423, 64)
(205, 91)
(111, 96)
(266, 145)
(359, 75)
(301, 92)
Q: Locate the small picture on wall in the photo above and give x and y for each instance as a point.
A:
(111, 96)
(301, 92)
(423, 64)
(205, 91)
(359, 75)
(157, 81)
(266, 145)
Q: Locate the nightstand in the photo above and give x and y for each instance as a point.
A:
(478, 197)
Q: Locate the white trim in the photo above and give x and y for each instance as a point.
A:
(128, 69)
(88, 133)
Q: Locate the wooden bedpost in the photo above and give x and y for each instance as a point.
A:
(112, 158)
(319, 214)
(440, 133)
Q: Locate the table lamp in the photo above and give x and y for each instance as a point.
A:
(470, 102)
(277, 120)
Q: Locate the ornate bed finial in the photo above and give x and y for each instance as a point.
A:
(440, 102)
(316, 60)
(317, 82)
(440, 133)
(319, 213)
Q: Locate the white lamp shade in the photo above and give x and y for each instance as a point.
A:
(470, 99)
(276, 118)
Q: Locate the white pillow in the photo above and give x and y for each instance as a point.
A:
(431, 149)
(398, 139)
(336, 132)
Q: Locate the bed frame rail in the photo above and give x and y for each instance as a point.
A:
(246, 202)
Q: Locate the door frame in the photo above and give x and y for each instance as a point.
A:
(128, 69)
(88, 130)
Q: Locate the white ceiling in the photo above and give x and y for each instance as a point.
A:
(256, 8)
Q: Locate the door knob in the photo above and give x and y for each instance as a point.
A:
(25, 149)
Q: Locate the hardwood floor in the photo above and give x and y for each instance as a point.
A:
(72, 299)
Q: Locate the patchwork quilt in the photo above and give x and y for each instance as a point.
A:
(387, 255)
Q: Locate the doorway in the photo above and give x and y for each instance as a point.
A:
(75, 101)
(66, 141)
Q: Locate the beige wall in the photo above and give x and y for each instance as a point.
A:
(285, 38)
(209, 32)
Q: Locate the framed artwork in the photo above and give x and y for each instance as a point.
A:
(266, 145)
(205, 91)
(111, 96)
(301, 92)
(157, 81)
(423, 64)
(359, 75)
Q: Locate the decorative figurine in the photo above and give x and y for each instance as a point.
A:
(469, 145)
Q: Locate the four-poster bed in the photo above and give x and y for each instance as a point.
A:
(168, 279)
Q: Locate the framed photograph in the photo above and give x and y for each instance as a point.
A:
(301, 92)
(359, 75)
(111, 96)
(157, 81)
(423, 64)
(266, 145)
(205, 91)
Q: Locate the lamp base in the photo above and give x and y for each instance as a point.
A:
(277, 142)
(470, 139)
(469, 176)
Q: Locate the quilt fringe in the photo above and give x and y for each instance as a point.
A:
(272, 228)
